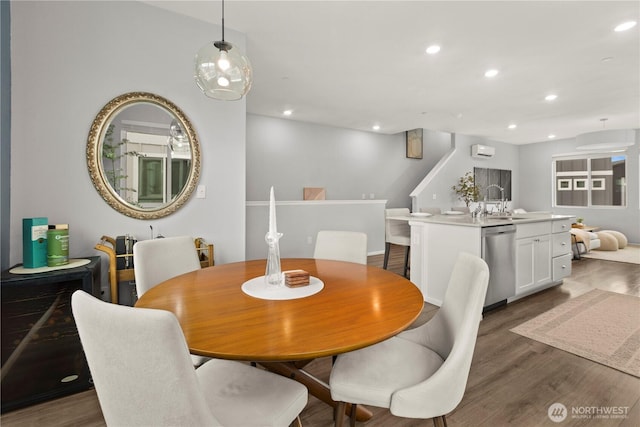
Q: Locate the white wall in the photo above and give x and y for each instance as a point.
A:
(68, 60)
(460, 162)
(300, 222)
(536, 184)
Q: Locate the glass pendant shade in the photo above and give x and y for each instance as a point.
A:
(176, 131)
(222, 71)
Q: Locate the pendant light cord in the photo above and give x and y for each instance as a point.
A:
(222, 20)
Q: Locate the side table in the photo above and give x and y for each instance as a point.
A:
(576, 243)
(588, 228)
(42, 357)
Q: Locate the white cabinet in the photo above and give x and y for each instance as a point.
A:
(434, 250)
(533, 263)
(542, 251)
(562, 255)
(543, 254)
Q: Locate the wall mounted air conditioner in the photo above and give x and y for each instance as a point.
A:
(482, 151)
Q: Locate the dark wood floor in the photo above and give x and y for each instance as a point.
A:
(513, 379)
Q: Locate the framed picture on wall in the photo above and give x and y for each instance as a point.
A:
(414, 144)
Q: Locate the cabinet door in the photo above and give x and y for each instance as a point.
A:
(525, 253)
(42, 356)
(533, 263)
(542, 260)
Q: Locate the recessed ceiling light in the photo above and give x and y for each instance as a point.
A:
(551, 136)
(551, 97)
(625, 26)
(376, 127)
(491, 73)
(512, 126)
(433, 49)
(287, 112)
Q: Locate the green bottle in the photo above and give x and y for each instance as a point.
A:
(58, 245)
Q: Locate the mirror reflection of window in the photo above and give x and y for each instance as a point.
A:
(180, 169)
(150, 180)
(149, 165)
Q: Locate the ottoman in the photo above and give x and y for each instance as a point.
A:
(608, 242)
(621, 238)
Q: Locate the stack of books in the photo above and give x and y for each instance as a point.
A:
(296, 278)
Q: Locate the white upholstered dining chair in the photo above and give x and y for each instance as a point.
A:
(157, 260)
(422, 372)
(397, 232)
(348, 246)
(140, 366)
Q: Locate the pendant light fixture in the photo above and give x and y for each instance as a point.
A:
(222, 71)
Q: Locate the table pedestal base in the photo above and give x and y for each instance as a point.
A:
(316, 387)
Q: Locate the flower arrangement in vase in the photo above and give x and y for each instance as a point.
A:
(466, 189)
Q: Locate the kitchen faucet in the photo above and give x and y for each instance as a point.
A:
(502, 207)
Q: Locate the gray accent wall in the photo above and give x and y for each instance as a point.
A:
(290, 155)
(5, 132)
(68, 60)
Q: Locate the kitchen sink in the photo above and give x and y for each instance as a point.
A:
(503, 218)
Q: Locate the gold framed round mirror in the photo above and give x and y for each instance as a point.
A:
(143, 155)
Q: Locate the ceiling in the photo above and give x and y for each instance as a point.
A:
(355, 64)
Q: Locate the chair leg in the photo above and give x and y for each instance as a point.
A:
(406, 260)
(339, 413)
(440, 421)
(387, 249)
(352, 415)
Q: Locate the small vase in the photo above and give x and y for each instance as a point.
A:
(273, 273)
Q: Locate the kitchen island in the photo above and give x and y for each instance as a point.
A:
(540, 254)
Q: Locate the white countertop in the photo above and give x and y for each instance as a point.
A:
(468, 221)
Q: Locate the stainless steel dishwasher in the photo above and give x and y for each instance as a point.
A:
(499, 252)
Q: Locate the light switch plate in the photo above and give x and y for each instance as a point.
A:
(201, 192)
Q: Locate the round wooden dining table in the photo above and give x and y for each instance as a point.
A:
(357, 306)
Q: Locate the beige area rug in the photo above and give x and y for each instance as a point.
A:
(630, 254)
(600, 326)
